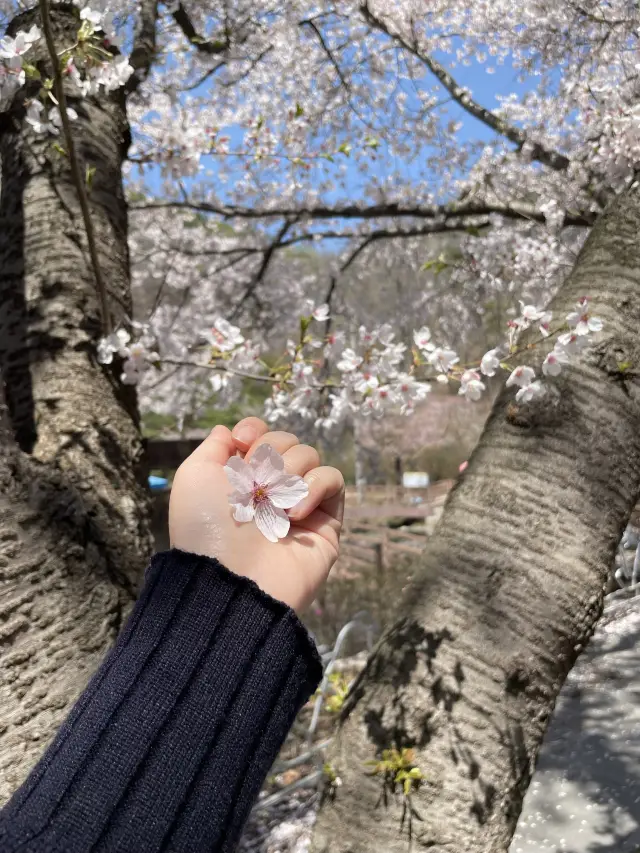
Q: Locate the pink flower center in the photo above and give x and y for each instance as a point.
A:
(260, 494)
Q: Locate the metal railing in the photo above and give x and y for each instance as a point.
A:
(314, 751)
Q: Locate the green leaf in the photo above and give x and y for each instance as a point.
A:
(299, 110)
(31, 71)
(327, 157)
(624, 365)
(57, 147)
(437, 265)
(86, 31)
(89, 174)
(345, 149)
(371, 142)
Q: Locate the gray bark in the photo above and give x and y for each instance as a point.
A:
(73, 501)
(509, 591)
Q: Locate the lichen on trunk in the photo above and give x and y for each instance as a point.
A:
(74, 532)
(508, 591)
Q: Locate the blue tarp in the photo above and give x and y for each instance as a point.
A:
(156, 483)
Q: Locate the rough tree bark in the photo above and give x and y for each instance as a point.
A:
(73, 504)
(510, 589)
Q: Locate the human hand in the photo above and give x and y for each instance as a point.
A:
(201, 519)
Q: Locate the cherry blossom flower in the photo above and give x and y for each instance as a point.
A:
(56, 119)
(35, 120)
(263, 491)
(530, 392)
(366, 337)
(552, 365)
(349, 361)
(11, 49)
(365, 382)
(471, 385)
(422, 339)
(572, 343)
(544, 322)
(582, 321)
(114, 343)
(521, 376)
(529, 313)
(443, 359)
(490, 362)
(223, 335)
(93, 16)
(321, 312)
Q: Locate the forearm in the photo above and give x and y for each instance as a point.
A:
(168, 746)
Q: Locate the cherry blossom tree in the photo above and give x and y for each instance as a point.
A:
(191, 148)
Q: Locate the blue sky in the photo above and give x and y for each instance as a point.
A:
(484, 87)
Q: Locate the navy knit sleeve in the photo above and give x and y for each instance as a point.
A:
(167, 748)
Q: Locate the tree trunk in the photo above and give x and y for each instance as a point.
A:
(510, 589)
(73, 500)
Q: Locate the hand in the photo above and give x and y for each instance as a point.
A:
(201, 521)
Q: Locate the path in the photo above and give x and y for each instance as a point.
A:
(585, 794)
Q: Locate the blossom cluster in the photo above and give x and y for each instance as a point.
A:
(88, 64)
(136, 356)
(320, 377)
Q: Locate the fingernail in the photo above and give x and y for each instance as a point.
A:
(244, 434)
(216, 430)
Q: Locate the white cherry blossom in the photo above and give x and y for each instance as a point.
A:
(522, 376)
(582, 321)
(263, 491)
(471, 385)
(530, 392)
(490, 362)
(443, 359)
(349, 361)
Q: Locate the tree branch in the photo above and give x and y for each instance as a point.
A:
(519, 211)
(212, 48)
(144, 47)
(264, 266)
(553, 159)
(309, 22)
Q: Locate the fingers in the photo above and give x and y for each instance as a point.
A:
(326, 492)
(324, 525)
(248, 430)
(217, 447)
(301, 459)
(280, 441)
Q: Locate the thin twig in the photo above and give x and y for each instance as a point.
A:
(76, 174)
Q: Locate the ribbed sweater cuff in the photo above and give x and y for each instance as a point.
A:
(168, 747)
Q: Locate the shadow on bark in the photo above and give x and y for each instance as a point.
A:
(15, 367)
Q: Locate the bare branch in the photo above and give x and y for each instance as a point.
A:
(552, 159)
(264, 266)
(310, 22)
(212, 48)
(518, 211)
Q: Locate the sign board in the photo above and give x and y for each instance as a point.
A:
(415, 480)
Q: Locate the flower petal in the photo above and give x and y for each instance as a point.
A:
(287, 491)
(239, 474)
(243, 511)
(266, 465)
(271, 521)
